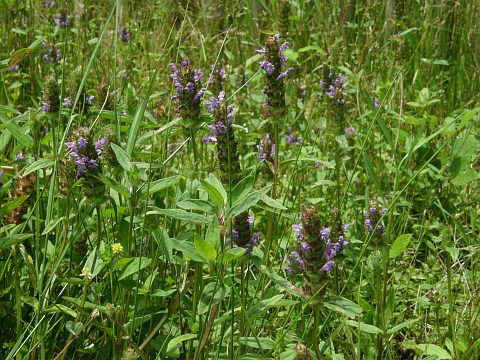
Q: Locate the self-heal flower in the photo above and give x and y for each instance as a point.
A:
(62, 19)
(266, 149)
(285, 73)
(124, 34)
(46, 107)
(333, 87)
(267, 66)
(328, 267)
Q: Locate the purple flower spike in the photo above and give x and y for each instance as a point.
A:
(328, 267)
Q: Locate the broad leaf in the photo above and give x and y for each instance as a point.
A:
(399, 245)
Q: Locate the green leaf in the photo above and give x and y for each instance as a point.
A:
(215, 190)
(204, 248)
(342, 306)
(213, 293)
(467, 116)
(431, 349)
(163, 241)
(281, 281)
(59, 308)
(180, 215)
(260, 308)
(13, 205)
(37, 165)
(366, 328)
(139, 114)
(257, 342)
(232, 254)
(213, 233)
(163, 293)
(134, 265)
(399, 245)
(123, 158)
(464, 177)
(405, 324)
(372, 174)
(241, 189)
(249, 200)
(197, 204)
(52, 225)
(179, 339)
(18, 133)
(188, 249)
(309, 48)
(74, 328)
(113, 184)
(272, 203)
(158, 185)
(8, 241)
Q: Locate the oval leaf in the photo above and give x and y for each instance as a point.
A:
(133, 266)
(122, 157)
(343, 306)
(204, 248)
(399, 245)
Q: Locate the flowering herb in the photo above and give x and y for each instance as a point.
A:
(333, 87)
(266, 149)
(124, 34)
(50, 54)
(317, 247)
(85, 152)
(189, 93)
(372, 222)
(62, 20)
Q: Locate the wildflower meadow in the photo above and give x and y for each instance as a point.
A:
(204, 179)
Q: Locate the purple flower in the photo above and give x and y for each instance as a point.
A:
(266, 149)
(20, 156)
(296, 261)
(267, 66)
(68, 102)
(252, 242)
(13, 68)
(46, 107)
(304, 247)
(124, 34)
(1, 176)
(285, 74)
(50, 53)
(299, 231)
(324, 234)
(331, 250)
(82, 143)
(333, 87)
(62, 20)
(377, 103)
(350, 132)
(250, 220)
(328, 267)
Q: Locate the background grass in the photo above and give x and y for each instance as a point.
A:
(179, 288)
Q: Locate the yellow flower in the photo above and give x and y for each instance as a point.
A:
(117, 249)
(87, 273)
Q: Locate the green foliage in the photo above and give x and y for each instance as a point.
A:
(155, 244)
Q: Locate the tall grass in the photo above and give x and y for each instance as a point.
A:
(131, 213)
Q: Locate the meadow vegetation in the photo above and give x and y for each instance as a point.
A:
(289, 179)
